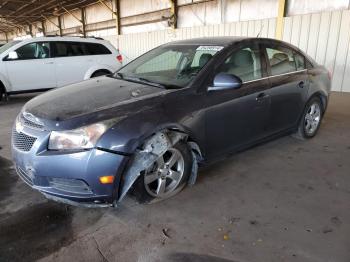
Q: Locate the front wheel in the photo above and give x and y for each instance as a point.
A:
(166, 176)
(311, 119)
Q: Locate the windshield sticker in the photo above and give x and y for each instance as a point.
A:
(209, 48)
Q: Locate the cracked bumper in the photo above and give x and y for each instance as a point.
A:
(71, 177)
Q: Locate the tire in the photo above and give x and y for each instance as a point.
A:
(2, 91)
(311, 119)
(158, 183)
(100, 73)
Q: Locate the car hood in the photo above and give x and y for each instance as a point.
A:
(94, 95)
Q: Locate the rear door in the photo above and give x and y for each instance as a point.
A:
(32, 69)
(236, 118)
(72, 61)
(289, 86)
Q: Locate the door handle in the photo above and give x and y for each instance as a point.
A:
(261, 97)
(301, 84)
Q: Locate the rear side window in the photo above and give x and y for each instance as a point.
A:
(66, 49)
(281, 60)
(96, 49)
(300, 61)
(38, 50)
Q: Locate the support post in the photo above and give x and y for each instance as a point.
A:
(60, 25)
(7, 37)
(173, 13)
(83, 21)
(117, 16)
(30, 30)
(280, 17)
(43, 28)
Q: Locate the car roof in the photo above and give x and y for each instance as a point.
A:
(65, 38)
(225, 41)
(221, 40)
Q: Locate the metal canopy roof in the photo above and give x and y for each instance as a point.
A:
(16, 14)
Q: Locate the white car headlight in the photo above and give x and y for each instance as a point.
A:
(80, 138)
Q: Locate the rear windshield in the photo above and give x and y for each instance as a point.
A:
(8, 45)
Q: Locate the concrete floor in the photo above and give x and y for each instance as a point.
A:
(287, 200)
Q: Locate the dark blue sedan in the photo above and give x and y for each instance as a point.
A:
(146, 128)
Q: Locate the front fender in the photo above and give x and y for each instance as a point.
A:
(5, 82)
(130, 133)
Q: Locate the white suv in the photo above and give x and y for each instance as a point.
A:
(38, 64)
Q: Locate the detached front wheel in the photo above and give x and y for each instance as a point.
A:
(166, 176)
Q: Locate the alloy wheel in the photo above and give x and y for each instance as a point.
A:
(312, 118)
(163, 177)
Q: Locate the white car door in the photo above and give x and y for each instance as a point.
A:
(30, 67)
(71, 62)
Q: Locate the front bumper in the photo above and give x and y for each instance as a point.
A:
(66, 176)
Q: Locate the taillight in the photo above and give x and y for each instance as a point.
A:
(120, 58)
(329, 75)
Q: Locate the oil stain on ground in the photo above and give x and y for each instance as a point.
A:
(35, 232)
(7, 178)
(38, 230)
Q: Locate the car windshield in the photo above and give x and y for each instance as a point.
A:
(7, 46)
(170, 66)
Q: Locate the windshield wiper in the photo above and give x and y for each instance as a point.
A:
(120, 75)
(143, 81)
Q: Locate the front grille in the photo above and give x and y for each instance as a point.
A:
(70, 185)
(29, 123)
(22, 141)
(24, 176)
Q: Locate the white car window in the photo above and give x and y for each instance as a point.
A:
(34, 51)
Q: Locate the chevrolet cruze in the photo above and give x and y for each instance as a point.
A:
(146, 128)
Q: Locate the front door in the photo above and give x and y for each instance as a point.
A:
(32, 69)
(236, 118)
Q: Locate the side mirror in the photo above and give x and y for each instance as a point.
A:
(223, 81)
(12, 55)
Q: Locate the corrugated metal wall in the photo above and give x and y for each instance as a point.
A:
(324, 36)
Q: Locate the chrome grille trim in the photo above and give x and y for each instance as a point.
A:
(22, 142)
(30, 123)
(22, 174)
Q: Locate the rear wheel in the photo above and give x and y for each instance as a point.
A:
(311, 119)
(166, 176)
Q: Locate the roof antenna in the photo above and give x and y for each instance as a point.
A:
(261, 28)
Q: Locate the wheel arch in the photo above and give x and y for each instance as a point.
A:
(125, 181)
(97, 68)
(323, 97)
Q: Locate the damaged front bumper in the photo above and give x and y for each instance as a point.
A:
(73, 177)
(66, 176)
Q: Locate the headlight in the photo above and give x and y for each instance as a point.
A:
(80, 138)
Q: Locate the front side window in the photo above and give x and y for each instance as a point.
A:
(34, 51)
(172, 66)
(244, 63)
(281, 60)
